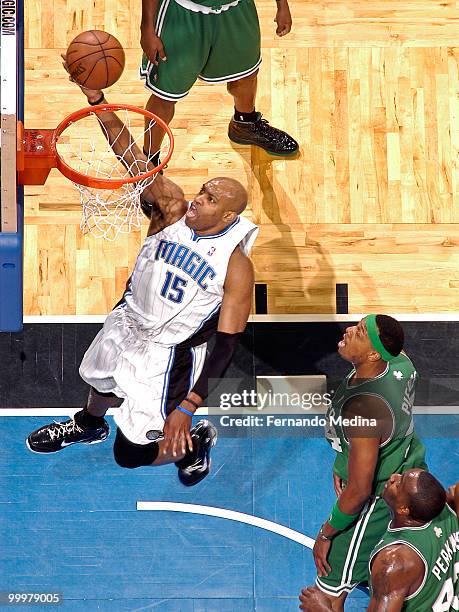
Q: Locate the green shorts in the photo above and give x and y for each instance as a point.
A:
(350, 549)
(216, 47)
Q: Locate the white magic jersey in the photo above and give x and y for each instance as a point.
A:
(178, 278)
(176, 285)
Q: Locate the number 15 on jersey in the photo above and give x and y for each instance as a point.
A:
(173, 287)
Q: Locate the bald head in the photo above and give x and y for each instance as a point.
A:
(233, 191)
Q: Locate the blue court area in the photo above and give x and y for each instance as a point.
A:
(70, 524)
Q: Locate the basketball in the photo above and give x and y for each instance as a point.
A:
(95, 59)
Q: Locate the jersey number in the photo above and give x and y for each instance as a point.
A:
(447, 601)
(172, 288)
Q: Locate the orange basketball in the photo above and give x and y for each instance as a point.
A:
(95, 59)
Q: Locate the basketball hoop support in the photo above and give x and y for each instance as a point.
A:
(35, 155)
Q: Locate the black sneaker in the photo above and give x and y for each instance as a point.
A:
(54, 437)
(263, 135)
(204, 436)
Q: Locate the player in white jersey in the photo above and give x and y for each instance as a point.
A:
(192, 279)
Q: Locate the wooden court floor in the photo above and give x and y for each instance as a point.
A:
(371, 91)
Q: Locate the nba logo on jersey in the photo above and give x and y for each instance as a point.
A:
(211, 251)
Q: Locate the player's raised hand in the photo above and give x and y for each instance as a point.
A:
(92, 94)
(152, 46)
(283, 18)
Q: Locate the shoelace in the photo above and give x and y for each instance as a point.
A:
(268, 129)
(61, 429)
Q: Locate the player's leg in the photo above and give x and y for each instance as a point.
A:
(244, 92)
(97, 369)
(234, 59)
(186, 44)
(129, 455)
(153, 138)
(141, 422)
(88, 426)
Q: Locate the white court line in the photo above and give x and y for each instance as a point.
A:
(275, 318)
(231, 515)
(62, 412)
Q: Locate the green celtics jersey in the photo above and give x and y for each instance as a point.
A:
(437, 543)
(403, 449)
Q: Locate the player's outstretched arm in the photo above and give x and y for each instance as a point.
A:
(163, 197)
(396, 572)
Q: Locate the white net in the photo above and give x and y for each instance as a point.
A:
(109, 145)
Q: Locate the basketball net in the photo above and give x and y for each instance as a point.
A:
(100, 149)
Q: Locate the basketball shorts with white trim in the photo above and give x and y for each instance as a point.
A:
(213, 47)
(351, 549)
(151, 378)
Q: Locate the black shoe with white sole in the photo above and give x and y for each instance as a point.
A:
(193, 469)
(56, 436)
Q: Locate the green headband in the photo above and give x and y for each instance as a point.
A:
(372, 331)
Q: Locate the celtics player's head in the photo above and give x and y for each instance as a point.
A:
(414, 495)
(374, 338)
(217, 205)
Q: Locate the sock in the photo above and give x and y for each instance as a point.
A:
(86, 420)
(238, 116)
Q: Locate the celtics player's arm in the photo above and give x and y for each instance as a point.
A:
(234, 313)
(396, 572)
(369, 424)
(151, 44)
(364, 440)
(283, 18)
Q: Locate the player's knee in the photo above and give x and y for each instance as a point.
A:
(129, 455)
(244, 82)
(156, 105)
(124, 460)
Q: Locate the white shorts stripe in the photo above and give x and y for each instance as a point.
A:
(166, 382)
(348, 578)
(232, 77)
(159, 92)
(346, 585)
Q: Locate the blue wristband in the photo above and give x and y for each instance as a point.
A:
(182, 409)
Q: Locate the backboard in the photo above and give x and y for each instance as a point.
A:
(12, 200)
